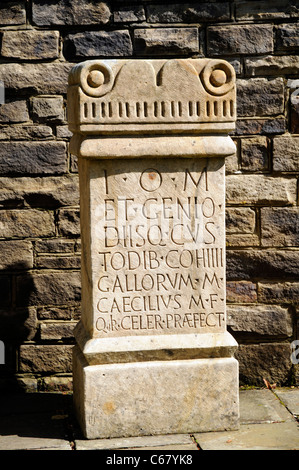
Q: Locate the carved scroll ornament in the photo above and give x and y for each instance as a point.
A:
(153, 96)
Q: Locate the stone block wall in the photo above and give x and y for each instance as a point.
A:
(39, 203)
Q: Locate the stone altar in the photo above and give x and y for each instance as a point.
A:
(153, 354)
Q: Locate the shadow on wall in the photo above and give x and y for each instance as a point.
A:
(17, 322)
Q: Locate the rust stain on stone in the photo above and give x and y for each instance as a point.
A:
(152, 175)
(109, 407)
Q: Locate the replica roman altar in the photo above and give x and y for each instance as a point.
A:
(153, 354)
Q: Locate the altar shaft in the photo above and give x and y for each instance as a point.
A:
(153, 354)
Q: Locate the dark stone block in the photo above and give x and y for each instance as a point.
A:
(98, 44)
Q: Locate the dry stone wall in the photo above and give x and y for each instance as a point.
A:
(39, 199)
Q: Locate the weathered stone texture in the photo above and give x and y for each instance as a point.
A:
(166, 41)
(36, 78)
(48, 109)
(241, 292)
(58, 262)
(48, 288)
(76, 12)
(294, 112)
(55, 245)
(254, 154)
(261, 320)
(45, 358)
(12, 13)
(26, 223)
(263, 10)
(261, 126)
(285, 153)
(69, 222)
(280, 226)
(98, 44)
(40, 192)
(26, 132)
(57, 313)
(126, 14)
(16, 254)
(58, 330)
(279, 293)
(14, 111)
(240, 220)
(30, 45)
(264, 265)
(231, 163)
(63, 132)
(272, 65)
(237, 240)
(270, 361)
(33, 158)
(57, 384)
(260, 97)
(188, 12)
(237, 39)
(287, 36)
(260, 189)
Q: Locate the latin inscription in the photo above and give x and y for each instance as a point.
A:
(160, 249)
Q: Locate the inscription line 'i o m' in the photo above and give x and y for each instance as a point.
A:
(204, 173)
